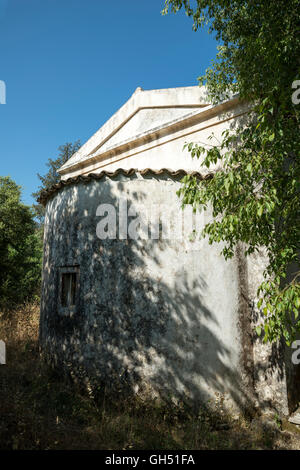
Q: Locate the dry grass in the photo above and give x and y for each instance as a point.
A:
(41, 410)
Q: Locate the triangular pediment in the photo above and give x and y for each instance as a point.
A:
(144, 113)
(145, 121)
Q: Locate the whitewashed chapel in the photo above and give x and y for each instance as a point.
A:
(126, 300)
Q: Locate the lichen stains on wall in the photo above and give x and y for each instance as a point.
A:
(161, 316)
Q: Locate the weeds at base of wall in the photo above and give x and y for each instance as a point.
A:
(40, 409)
(122, 393)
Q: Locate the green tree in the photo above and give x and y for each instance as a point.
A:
(20, 248)
(255, 196)
(52, 176)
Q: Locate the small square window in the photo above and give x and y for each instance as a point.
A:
(68, 289)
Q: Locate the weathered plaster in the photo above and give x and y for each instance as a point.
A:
(157, 313)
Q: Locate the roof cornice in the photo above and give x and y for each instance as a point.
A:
(177, 174)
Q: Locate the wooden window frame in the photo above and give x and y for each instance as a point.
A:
(68, 310)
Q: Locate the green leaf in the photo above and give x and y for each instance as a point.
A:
(265, 311)
(249, 168)
(271, 137)
(258, 330)
(260, 211)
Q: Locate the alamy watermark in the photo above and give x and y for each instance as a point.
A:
(2, 92)
(296, 354)
(296, 94)
(126, 220)
(2, 352)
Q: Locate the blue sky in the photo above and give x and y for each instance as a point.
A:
(69, 65)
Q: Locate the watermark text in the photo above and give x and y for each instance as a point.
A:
(126, 220)
(2, 92)
(2, 352)
(296, 354)
(296, 94)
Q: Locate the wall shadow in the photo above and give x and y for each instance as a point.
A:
(143, 322)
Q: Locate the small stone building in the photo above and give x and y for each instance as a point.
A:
(131, 296)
